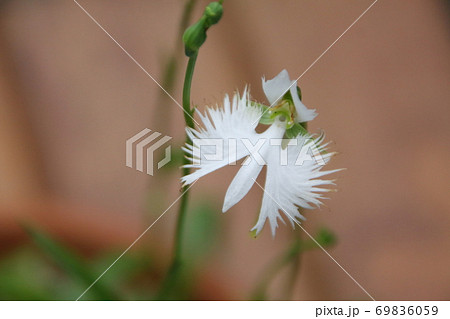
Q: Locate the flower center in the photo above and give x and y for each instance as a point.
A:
(284, 111)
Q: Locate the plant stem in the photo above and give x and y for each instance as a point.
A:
(170, 73)
(193, 38)
(177, 262)
(291, 256)
(168, 82)
(294, 271)
(188, 117)
(187, 92)
(260, 293)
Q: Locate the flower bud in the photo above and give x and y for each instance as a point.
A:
(213, 13)
(194, 37)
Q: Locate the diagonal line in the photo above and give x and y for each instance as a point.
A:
(137, 239)
(320, 56)
(133, 59)
(315, 241)
(323, 53)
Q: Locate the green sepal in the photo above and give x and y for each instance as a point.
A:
(288, 97)
(299, 92)
(295, 130)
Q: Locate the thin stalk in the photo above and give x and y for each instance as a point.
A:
(169, 77)
(176, 264)
(193, 38)
(170, 72)
(294, 271)
(260, 293)
(187, 92)
(323, 238)
(188, 118)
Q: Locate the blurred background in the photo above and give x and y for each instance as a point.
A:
(70, 98)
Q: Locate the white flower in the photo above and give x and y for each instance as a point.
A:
(229, 135)
(276, 88)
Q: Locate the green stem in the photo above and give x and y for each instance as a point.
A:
(193, 38)
(174, 269)
(260, 293)
(294, 271)
(188, 113)
(168, 82)
(291, 255)
(188, 117)
(170, 73)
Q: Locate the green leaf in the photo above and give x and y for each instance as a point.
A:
(70, 263)
(288, 97)
(134, 273)
(24, 275)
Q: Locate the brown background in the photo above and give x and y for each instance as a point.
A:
(69, 98)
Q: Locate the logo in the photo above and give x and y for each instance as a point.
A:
(288, 152)
(145, 149)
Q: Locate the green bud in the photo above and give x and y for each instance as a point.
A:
(326, 237)
(213, 13)
(194, 37)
